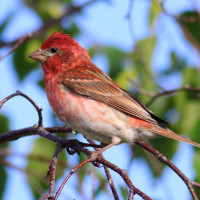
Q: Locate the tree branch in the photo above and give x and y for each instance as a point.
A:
(16, 134)
(108, 175)
(18, 93)
(155, 95)
(73, 146)
(169, 92)
(164, 160)
(70, 11)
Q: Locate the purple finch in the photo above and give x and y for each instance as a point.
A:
(89, 101)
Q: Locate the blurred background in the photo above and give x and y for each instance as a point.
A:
(147, 47)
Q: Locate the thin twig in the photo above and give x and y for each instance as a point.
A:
(140, 90)
(169, 92)
(108, 175)
(137, 48)
(16, 134)
(195, 184)
(18, 93)
(52, 171)
(70, 11)
(69, 175)
(99, 159)
(155, 95)
(74, 146)
(111, 183)
(163, 159)
(16, 44)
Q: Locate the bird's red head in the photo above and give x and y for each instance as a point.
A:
(58, 52)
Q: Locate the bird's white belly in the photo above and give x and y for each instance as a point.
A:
(92, 118)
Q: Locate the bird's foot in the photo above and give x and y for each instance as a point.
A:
(94, 156)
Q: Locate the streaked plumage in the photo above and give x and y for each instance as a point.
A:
(89, 101)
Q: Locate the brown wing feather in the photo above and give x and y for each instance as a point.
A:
(97, 85)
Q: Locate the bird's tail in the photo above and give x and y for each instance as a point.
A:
(170, 134)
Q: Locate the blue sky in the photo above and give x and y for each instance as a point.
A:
(102, 23)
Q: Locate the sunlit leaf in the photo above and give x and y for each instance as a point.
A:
(189, 22)
(190, 116)
(196, 164)
(115, 57)
(122, 78)
(142, 57)
(23, 64)
(154, 12)
(47, 9)
(191, 77)
(194, 134)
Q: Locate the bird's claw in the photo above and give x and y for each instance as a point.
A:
(94, 158)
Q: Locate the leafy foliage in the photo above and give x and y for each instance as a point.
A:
(189, 22)
(4, 127)
(182, 108)
(20, 58)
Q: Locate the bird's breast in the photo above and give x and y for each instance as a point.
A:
(90, 117)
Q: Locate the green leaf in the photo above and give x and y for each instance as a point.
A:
(144, 51)
(115, 58)
(6, 22)
(190, 77)
(73, 29)
(91, 51)
(189, 22)
(4, 123)
(194, 135)
(3, 178)
(177, 63)
(122, 78)
(41, 83)
(23, 64)
(196, 164)
(123, 191)
(142, 57)
(189, 117)
(154, 12)
(38, 165)
(161, 144)
(4, 127)
(167, 147)
(47, 9)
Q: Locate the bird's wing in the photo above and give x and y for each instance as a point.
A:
(95, 84)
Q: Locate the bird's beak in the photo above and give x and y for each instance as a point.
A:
(38, 55)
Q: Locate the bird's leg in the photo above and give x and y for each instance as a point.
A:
(115, 141)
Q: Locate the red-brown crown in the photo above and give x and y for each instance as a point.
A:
(59, 39)
(69, 53)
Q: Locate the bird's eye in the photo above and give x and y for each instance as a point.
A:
(53, 50)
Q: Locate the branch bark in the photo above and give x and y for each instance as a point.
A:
(69, 11)
(73, 146)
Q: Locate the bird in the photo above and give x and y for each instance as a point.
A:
(90, 102)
